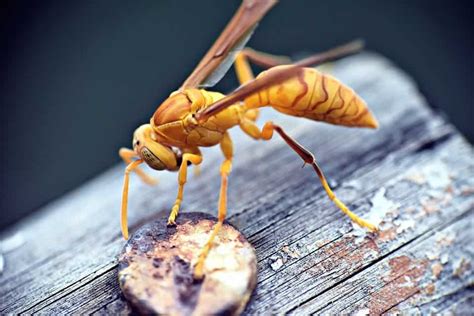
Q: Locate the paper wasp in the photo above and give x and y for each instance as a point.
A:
(192, 117)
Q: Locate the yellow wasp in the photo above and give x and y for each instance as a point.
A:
(192, 117)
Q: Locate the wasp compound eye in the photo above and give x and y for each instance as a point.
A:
(151, 160)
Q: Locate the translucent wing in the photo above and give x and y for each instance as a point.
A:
(216, 75)
(220, 56)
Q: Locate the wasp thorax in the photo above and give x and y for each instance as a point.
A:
(173, 109)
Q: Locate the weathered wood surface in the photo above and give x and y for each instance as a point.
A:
(415, 173)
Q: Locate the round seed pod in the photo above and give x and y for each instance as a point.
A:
(157, 263)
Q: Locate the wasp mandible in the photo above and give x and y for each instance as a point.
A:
(193, 117)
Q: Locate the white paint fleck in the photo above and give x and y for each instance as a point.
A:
(444, 258)
(362, 312)
(417, 178)
(276, 262)
(432, 255)
(461, 266)
(370, 254)
(380, 207)
(445, 239)
(437, 175)
(292, 253)
(407, 282)
(405, 225)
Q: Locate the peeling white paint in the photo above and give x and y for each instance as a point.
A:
(444, 258)
(381, 206)
(437, 175)
(362, 312)
(276, 262)
(432, 254)
(405, 225)
(407, 282)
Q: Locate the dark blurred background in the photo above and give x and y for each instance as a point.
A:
(77, 77)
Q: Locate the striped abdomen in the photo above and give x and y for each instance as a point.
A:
(316, 96)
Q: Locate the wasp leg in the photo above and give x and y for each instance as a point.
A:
(245, 74)
(123, 217)
(308, 157)
(195, 159)
(264, 60)
(127, 155)
(226, 167)
(267, 60)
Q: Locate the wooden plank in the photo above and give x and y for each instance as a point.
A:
(68, 263)
(421, 273)
(323, 254)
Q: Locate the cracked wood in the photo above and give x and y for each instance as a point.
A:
(415, 175)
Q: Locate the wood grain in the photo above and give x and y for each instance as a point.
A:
(415, 172)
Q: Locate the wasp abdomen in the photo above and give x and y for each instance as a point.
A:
(316, 96)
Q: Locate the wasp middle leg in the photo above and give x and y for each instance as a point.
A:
(226, 167)
(266, 134)
(194, 158)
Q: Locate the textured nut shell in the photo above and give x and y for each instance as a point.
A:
(156, 265)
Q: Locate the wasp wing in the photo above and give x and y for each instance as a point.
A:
(220, 56)
(272, 77)
(224, 66)
(277, 75)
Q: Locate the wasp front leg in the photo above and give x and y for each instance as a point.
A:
(195, 158)
(267, 133)
(226, 167)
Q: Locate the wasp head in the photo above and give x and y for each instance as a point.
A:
(156, 155)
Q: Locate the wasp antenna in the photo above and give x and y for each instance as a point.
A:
(123, 217)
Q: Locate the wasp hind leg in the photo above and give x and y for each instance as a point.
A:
(195, 159)
(226, 167)
(266, 134)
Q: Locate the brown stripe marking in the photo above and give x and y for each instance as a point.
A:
(323, 85)
(337, 94)
(313, 88)
(352, 117)
(305, 89)
(352, 101)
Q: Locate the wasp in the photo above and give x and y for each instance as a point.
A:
(192, 117)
